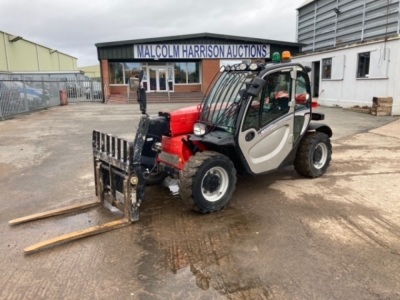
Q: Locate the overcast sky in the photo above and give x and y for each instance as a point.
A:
(74, 27)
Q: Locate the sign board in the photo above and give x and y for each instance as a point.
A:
(198, 51)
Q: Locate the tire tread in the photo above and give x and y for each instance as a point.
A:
(188, 173)
(302, 163)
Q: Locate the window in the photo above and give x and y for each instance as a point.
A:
(326, 68)
(116, 73)
(131, 70)
(302, 96)
(187, 73)
(363, 65)
(180, 72)
(302, 101)
(121, 72)
(193, 73)
(273, 102)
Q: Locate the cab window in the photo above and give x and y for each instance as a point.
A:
(272, 103)
(302, 95)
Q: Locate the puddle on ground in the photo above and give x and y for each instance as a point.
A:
(181, 244)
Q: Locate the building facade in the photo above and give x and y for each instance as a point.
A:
(20, 55)
(353, 48)
(178, 64)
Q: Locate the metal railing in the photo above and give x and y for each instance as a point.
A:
(24, 96)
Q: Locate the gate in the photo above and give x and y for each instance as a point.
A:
(19, 96)
(84, 91)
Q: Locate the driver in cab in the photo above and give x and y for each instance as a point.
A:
(278, 99)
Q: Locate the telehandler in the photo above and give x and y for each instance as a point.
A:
(255, 118)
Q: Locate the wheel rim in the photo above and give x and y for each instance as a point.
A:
(320, 155)
(215, 184)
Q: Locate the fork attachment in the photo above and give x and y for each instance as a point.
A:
(119, 181)
(118, 172)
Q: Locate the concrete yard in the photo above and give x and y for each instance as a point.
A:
(281, 237)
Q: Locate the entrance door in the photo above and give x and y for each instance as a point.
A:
(152, 79)
(162, 79)
(158, 80)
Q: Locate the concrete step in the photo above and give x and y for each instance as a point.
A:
(191, 97)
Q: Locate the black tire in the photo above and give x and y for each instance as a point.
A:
(155, 178)
(208, 179)
(313, 155)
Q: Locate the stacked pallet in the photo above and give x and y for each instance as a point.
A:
(382, 106)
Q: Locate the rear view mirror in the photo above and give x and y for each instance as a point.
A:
(256, 86)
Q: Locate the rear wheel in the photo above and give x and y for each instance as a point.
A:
(313, 155)
(208, 179)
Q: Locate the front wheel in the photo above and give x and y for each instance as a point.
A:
(208, 179)
(313, 155)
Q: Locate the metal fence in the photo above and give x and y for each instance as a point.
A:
(83, 91)
(23, 96)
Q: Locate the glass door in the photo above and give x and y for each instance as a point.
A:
(159, 78)
(153, 79)
(162, 79)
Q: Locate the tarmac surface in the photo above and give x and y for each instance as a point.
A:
(281, 237)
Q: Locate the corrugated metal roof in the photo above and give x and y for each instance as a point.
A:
(203, 37)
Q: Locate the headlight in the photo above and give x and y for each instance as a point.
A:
(242, 67)
(253, 66)
(199, 129)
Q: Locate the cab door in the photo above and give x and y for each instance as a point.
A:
(266, 132)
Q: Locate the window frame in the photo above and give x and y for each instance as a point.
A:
(363, 68)
(264, 114)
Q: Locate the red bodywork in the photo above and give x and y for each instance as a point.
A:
(182, 120)
(175, 152)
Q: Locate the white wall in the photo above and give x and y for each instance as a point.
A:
(345, 89)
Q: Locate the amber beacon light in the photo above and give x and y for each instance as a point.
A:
(286, 55)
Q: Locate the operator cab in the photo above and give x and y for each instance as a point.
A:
(257, 113)
(275, 118)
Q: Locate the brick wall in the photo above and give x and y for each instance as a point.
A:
(187, 88)
(106, 78)
(210, 68)
(119, 89)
